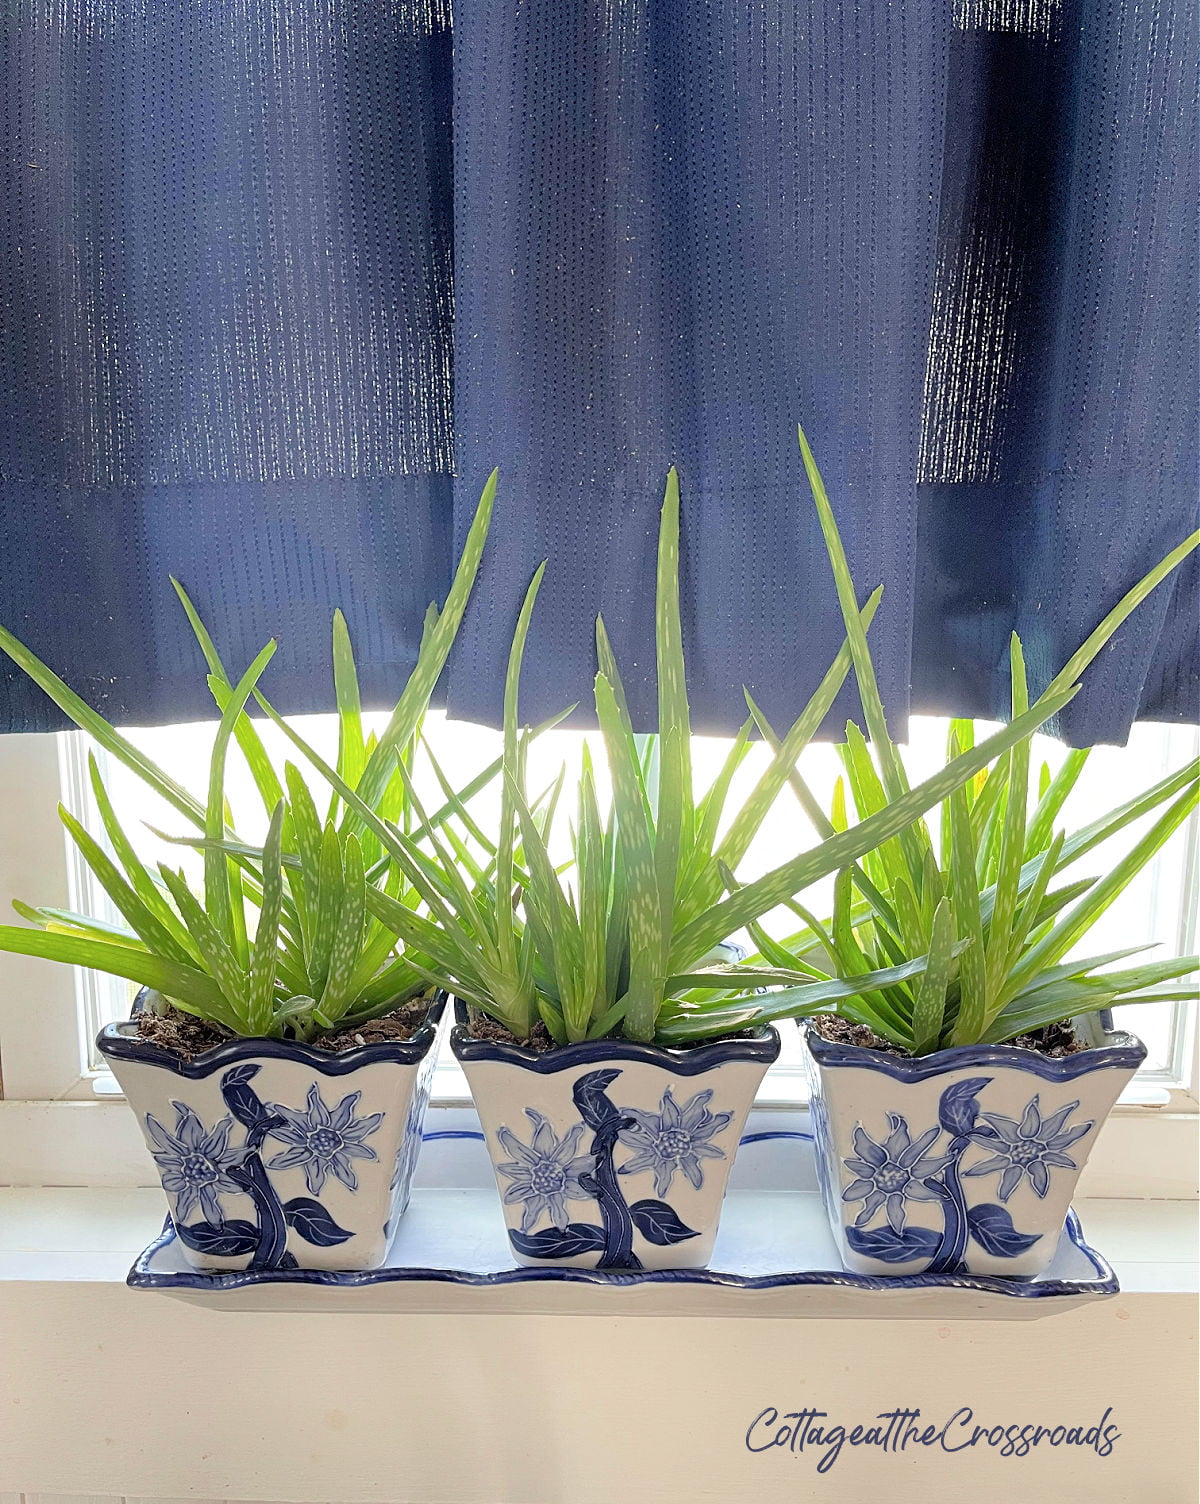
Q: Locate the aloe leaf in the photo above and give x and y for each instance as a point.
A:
(217, 895)
(1096, 640)
(435, 649)
(1031, 913)
(1067, 1000)
(352, 750)
(219, 960)
(758, 897)
(221, 687)
(787, 749)
(66, 921)
(675, 797)
(1083, 915)
(793, 1002)
(326, 910)
(182, 982)
(973, 998)
(141, 880)
(711, 805)
(146, 924)
(894, 777)
(1051, 798)
(1092, 835)
(647, 923)
(1012, 840)
(264, 962)
(1079, 967)
(929, 1008)
(99, 730)
(811, 806)
(346, 946)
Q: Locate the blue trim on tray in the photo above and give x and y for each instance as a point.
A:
(114, 1042)
(762, 1048)
(1123, 1051)
(142, 1277)
(746, 1138)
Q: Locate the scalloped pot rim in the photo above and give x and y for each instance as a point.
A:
(762, 1048)
(115, 1041)
(1120, 1051)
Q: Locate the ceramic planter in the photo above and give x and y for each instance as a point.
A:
(275, 1155)
(960, 1162)
(611, 1154)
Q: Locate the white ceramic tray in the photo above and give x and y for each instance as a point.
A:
(774, 1256)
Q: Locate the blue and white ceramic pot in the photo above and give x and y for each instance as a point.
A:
(612, 1154)
(959, 1162)
(275, 1155)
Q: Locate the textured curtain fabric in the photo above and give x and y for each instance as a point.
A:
(282, 280)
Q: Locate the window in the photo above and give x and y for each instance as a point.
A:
(48, 1019)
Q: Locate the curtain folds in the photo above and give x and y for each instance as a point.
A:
(282, 280)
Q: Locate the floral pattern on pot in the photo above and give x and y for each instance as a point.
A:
(324, 1142)
(548, 1172)
(963, 1161)
(612, 1154)
(905, 1169)
(674, 1138)
(275, 1154)
(199, 1168)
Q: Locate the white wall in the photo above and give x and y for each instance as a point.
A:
(108, 1392)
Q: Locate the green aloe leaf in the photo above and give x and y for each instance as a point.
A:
(217, 892)
(435, 649)
(930, 1006)
(758, 897)
(184, 983)
(221, 687)
(264, 964)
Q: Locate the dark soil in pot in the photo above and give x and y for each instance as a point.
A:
(540, 1040)
(1055, 1041)
(187, 1037)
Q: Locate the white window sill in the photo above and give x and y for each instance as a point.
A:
(54, 1234)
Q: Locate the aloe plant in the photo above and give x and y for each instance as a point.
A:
(989, 905)
(622, 940)
(281, 939)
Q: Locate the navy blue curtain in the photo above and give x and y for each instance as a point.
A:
(281, 281)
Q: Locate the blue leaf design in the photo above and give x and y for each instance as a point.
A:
(238, 1075)
(893, 1247)
(659, 1224)
(958, 1108)
(241, 1098)
(313, 1222)
(559, 1242)
(992, 1228)
(588, 1093)
(222, 1239)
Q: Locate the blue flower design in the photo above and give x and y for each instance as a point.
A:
(545, 1173)
(892, 1173)
(324, 1141)
(193, 1163)
(674, 1138)
(1028, 1148)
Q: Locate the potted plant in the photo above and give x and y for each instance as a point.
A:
(611, 1052)
(954, 1111)
(280, 1052)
